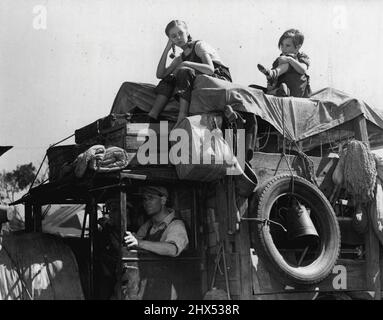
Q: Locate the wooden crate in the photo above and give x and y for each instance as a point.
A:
(131, 136)
(98, 127)
(60, 156)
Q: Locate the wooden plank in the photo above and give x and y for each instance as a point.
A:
(162, 173)
(360, 128)
(115, 138)
(243, 238)
(372, 261)
(231, 217)
(262, 280)
(221, 210)
(162, 128)
(28, 217)
(201, 241)
(91, 208)
(37, 218)
(123, 222)
(109, 137)
(265, 166)
(347, 232)
(347, 275)
(371, 240)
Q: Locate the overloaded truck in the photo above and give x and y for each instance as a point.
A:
(284, 215)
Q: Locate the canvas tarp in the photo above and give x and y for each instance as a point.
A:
(304, 118)
(37, 266)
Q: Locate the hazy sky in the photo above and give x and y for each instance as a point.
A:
(63, 72)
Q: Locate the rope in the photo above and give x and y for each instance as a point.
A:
(55, 144)
(265, 222)
(307, 162)
(267, 135)
(38, 171)
(221, 253)
(46, 154)
(43, 215)
(284, 149)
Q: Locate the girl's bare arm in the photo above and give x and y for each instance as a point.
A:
(162, 70)
(205, 67)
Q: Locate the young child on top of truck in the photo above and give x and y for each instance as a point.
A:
(288, 77)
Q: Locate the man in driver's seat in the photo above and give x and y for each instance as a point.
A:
(162, 234)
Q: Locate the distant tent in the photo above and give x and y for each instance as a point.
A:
(65, 220)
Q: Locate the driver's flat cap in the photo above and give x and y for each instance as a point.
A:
(156, 190)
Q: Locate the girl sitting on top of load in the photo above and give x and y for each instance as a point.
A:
(288, 74)
(197, 58)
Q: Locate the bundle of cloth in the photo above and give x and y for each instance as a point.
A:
(101, 159)
(360, 172)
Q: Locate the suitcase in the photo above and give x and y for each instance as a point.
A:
(99, 127)
(95, 131)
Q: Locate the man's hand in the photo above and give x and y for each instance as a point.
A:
(130, 240)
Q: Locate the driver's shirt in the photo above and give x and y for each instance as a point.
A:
(170, 229)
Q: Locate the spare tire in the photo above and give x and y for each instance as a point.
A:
(263, 206)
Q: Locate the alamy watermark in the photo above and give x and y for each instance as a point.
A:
(39, 21)
(201, 147)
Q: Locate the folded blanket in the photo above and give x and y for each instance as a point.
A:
(95, 152)
(114, 159)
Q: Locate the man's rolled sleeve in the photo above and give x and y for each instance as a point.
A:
(176, 233)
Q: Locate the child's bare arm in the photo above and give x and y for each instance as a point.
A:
(300, 67)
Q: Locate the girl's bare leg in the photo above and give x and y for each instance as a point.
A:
(273, 74)
(158, 106)
(184, 110)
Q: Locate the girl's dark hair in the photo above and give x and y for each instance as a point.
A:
(293, 34)
(174, 23)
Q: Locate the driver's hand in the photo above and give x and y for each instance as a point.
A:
(130, 240)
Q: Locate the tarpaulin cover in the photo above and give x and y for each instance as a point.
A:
(37, 266)
(133, 95)
(304, 118)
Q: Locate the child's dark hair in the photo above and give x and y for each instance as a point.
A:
(294, 34)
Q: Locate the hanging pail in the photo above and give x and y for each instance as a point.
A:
(300, 227)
